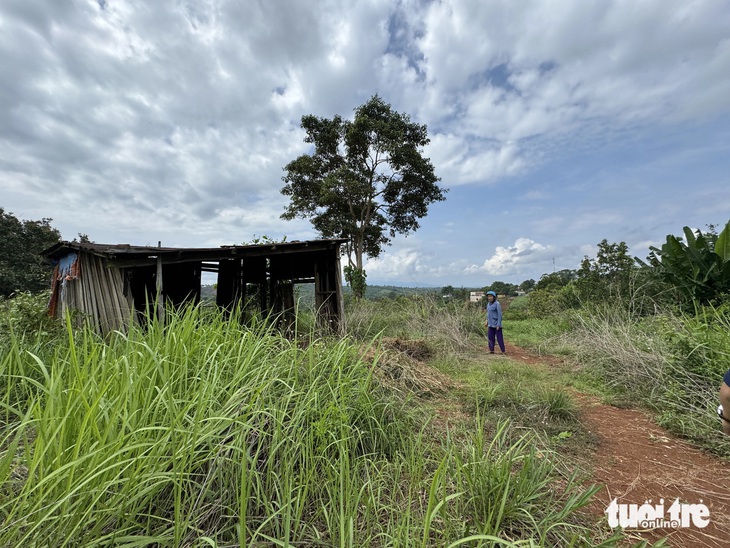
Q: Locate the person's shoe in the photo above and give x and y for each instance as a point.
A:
(491, 351)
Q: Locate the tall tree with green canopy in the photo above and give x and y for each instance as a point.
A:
(366, 180)
(608, 275)
(555, 280)
(21, 266)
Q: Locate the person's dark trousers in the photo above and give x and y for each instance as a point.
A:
(493, 332)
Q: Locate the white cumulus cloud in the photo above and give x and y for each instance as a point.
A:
(509, 260)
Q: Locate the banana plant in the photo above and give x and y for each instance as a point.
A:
(722, 245)
(698, 265)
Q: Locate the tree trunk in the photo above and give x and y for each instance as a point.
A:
(355, 276)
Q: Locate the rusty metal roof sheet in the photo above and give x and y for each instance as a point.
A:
(131, 252)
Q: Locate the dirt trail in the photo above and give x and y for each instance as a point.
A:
(638, 461)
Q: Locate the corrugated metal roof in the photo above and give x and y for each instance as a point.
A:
(127, 251)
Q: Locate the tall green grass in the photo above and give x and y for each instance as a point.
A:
(207, 433)
(452, 328)
(447, 328)
(543, 335)
(163, 436)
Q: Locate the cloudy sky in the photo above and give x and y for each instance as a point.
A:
(554, 124)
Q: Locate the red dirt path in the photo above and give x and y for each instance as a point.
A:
(637, 460)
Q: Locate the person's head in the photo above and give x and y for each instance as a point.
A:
(491, 296)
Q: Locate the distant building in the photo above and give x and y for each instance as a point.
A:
(476, 296)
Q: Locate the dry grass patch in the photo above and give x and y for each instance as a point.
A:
(399, 366)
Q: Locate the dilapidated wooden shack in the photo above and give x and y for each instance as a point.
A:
(111, 285)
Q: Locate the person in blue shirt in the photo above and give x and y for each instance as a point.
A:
(494, 322)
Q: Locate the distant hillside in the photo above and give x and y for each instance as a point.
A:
(207, 293)
(377, 292)
(305, 292)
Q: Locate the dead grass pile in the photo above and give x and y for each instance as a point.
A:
(400, 366)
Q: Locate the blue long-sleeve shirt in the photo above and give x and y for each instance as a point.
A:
(494, 314)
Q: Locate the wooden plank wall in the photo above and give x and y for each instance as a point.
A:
(97, 296)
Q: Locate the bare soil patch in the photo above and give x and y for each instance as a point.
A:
(637, 461)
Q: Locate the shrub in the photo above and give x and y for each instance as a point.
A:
(26, 315)
(545, 303)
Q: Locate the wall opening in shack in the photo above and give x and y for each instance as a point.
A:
(180, 285)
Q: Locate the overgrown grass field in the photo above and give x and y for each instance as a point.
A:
(207, 433)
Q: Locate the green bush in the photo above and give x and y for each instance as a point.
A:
(519, 303)
(541, 334)
(201, 426)
(543, 303)
(508, 485)
(26, 316)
